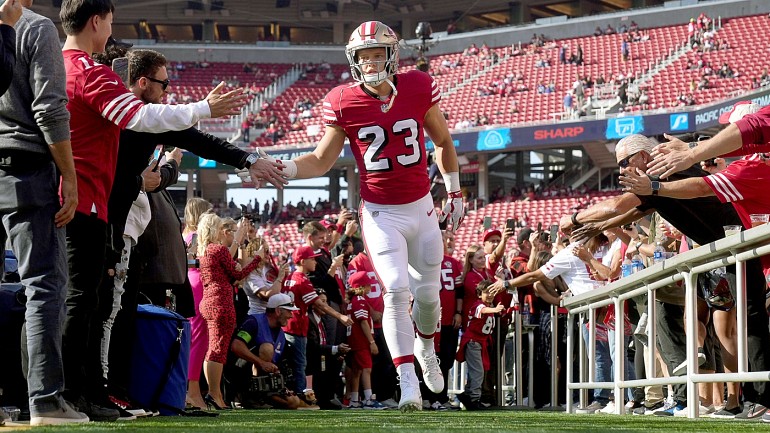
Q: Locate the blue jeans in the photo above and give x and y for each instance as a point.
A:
(29, 199)
(298, 346)
(630, 374)
(603, 366)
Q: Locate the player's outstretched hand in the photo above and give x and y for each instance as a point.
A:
(225, 104)
(635, 182)
(671, 157)
(453, 211)
(496, 287)
(10, 12)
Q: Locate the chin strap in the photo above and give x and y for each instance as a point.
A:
(392, 96)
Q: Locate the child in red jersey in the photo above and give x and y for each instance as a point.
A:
(361, 342)
(473, 344)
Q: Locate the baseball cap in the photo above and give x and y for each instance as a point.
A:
(523, 235)
(281, 300)
(329, 225)
(302, 253)
(360, 279)
(491, 232)
(739, 110)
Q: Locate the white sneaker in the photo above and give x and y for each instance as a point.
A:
(65, 415)
(608, 409)
(431, 373)
(702, 411)
(411, 400)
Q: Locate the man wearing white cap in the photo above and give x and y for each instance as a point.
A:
(748, 132)
(259, 344)
(744, 184)
(260, 340)
(701, 219)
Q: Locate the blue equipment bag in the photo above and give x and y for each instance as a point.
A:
(160, 360)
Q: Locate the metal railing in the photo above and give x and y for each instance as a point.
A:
(731, 250)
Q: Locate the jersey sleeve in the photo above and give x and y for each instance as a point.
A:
(307, 292)
(330, 106)
(104, 90)
(360, 309)
(741, 180)
(558, 265)
(248, 330)
(435, 92)
(477, 314)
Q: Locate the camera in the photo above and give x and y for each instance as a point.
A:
(193, 263)
(251, 216)
(270, 383)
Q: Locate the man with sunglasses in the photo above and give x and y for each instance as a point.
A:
(700, 219)
(100, 107)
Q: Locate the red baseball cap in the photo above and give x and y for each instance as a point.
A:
(360, 279)
(329, 225)
(302, 253)
(491, 232)
(739, 110)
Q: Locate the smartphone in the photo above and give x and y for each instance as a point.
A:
(300, 225)
(711, 162)
(554, 232)
(540, 227)
(157, 154)
(510, 223)
(487, 223)
(120, 67)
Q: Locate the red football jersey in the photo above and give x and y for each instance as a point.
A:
(302, 293)
(451, 277)
(479, 325)
(358, 310)
(100, 106)
(389, 148)
(743, 184)
(361, 262)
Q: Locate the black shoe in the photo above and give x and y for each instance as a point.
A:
(96, 412)
(469, 404)
(212, 404)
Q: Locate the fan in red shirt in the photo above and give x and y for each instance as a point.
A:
(474, 272)
(100, 106)
(303, 294)
(383, 115)
(361, 342)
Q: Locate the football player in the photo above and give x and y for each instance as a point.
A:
(383, 115)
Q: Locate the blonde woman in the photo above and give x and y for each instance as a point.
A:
(199, 341)
(218, 269)
(264, 281)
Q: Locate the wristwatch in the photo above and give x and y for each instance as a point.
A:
(575, 222)
(251, 159)
(655, 187)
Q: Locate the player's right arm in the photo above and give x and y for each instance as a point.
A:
(320, 160)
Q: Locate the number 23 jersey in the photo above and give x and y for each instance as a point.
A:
(389, 147)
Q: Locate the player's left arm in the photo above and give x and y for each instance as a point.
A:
(446, 156)
(446, 159)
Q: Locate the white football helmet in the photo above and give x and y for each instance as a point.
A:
(373, 34)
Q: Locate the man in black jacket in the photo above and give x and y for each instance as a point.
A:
(320, 352)
(149, 82)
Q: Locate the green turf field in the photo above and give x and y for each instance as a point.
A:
(249, 421)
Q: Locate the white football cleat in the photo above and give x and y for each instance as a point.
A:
(411, 400)
(431, 373)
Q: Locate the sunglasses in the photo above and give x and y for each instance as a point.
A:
(623, 163)
(164, 83)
